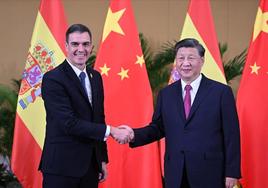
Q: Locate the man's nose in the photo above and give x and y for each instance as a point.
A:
(80, 47)
(186, 62)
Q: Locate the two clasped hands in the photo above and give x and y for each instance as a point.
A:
(123, 134)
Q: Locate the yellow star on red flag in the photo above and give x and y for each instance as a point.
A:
(254, 68)
(140, 60)
(261, 23)
(104, 70)
(112, 24)
(123, 73)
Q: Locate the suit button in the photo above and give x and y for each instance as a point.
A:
(182, 152)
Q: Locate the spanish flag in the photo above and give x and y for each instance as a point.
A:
(128, 99)
(199, 24)
(45, 53)
(252, 105)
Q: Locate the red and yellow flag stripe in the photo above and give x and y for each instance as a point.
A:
(199, 25)
(46, 52)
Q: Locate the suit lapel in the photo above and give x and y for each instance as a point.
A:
(75, 80)
(178, 100)
(175, 101)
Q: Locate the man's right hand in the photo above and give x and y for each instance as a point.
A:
(122, 134)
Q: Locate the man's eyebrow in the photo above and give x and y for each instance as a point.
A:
(87, 42)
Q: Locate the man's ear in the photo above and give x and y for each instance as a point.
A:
(66, 46)
(91, 49)
(203, 59)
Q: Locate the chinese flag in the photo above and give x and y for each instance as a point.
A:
(199, 24)
(252, 104)
(128, 99)
(46, 52)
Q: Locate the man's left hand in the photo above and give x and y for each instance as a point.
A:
(103, 175)
(231, 182)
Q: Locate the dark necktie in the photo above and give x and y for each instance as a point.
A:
(187, 100)
(82, 77)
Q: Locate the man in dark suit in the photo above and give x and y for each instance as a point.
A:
(200, 126)
(75, 151)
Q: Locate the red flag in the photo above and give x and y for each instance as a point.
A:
(252, 104)
(128, 99)
(46, 52)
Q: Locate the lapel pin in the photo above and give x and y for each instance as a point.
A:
(91, 76)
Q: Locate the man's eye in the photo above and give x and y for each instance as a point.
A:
(74, 44)
(86, 44)
(181, 58)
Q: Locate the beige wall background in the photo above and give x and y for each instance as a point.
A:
(159, 20)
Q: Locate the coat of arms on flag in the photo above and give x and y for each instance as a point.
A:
(38, 62)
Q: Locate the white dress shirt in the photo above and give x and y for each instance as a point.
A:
(87, 82)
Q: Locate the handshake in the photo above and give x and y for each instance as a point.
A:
(122, 134)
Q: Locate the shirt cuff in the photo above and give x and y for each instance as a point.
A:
(107, 133)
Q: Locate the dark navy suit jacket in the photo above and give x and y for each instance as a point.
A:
(75, 130)
(207, 143)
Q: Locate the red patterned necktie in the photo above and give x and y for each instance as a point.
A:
(187, 100)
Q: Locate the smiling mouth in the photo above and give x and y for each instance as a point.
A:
(186, 70)
(80, 55)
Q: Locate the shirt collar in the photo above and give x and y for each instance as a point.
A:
(76, 70)
(195, 84)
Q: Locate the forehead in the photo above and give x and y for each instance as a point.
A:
(187, 51)
(77, 36)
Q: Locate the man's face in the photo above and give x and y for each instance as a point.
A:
(78, 48)
(188, 63)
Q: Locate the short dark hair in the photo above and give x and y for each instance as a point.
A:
(77, 28)
(190, 43)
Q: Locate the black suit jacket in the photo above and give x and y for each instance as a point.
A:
(207, 143)
(75, 130)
